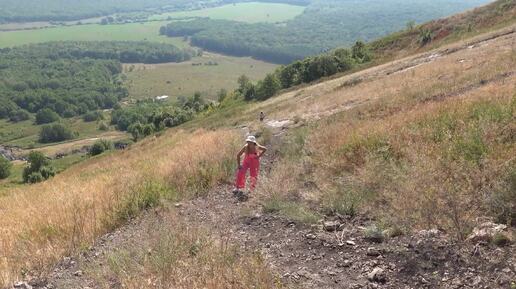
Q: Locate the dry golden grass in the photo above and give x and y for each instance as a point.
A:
(444, 74)
(429, 146)
(438, 165)
(192, 259)
(43, 222)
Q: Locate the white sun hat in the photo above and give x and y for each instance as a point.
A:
(250, 138)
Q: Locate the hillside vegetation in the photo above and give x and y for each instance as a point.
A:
(105, 193)
(324, 25)
(71, 78)
(422, 142)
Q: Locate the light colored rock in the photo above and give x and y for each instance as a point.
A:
(331, 226)
(377, 275)
(22, 285)
(485, 232)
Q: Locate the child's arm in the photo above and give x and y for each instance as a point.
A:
(262, 149)
(240, 153)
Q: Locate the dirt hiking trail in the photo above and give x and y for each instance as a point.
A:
(331, 254)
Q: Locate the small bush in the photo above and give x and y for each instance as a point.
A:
(34, 177)
(46, 115)
(93, 116)
(100, 147)
(103, 126)
(55, 133)
(425, 36)
(19, 115)
(39, 168)
(5, 168)
(374, 234)
(343, 202)
(501, 239)
(292, 210)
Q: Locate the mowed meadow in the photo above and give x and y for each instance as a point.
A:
(43, 222)
(207, 74)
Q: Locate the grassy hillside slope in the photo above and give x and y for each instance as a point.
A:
(422, 142)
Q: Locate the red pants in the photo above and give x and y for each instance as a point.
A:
(251, 163)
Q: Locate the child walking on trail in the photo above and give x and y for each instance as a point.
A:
(252, 152)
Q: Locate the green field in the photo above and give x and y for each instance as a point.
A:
(25, 134)
(251, 12)
(175, 79)
(248, 12)
(92, 32)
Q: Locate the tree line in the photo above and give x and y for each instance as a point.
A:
(324, 25)
(305, 71)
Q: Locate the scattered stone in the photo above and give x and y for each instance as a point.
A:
(331, 226)
(377, 275)
(344, 264)
(485, 232)
(432, 233)
(22, 285)
(78, 273)
(373, 252)
(311, 236)
(178, 205)
(350, 243)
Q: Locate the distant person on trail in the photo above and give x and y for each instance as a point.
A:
(262, 116)
(253, 152)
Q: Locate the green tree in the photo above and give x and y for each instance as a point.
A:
(5, 168)
(221, 95)
(360, 52)
(268, 87)
(39, 168)
(55, 132)
(46, 115)
(100, 147)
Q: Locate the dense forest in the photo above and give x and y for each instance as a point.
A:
(323, 26)
(66, 10)
(70, 78)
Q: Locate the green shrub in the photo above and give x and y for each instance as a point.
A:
(502, 202)
(100, 147)
(93, 116)
(292, 210)
(425, 36)
(46, 115)
(34, 177)
(19, 115)
(374, 234)
(501, 239)
(39, 168)
(103, 126)
(55, 133)
(5, 168)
